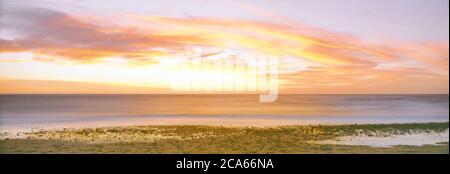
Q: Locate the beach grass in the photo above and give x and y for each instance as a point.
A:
(218, 139)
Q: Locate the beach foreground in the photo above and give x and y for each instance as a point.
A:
(370, 138)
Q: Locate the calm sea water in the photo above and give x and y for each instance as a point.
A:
(217, 109)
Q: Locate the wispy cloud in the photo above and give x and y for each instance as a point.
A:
(331, 59)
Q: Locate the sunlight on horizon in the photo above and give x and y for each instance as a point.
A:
(145, 47)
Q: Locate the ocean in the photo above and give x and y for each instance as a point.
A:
(49, 111)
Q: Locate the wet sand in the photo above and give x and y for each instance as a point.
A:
(369, 138)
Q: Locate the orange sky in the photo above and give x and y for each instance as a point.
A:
(47, 50)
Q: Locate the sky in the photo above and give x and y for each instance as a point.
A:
(323, 46)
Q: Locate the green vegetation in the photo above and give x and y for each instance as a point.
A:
(217, 139)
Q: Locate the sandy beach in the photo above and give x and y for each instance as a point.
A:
(368, 138)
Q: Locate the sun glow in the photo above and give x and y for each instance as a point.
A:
(151, 50)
